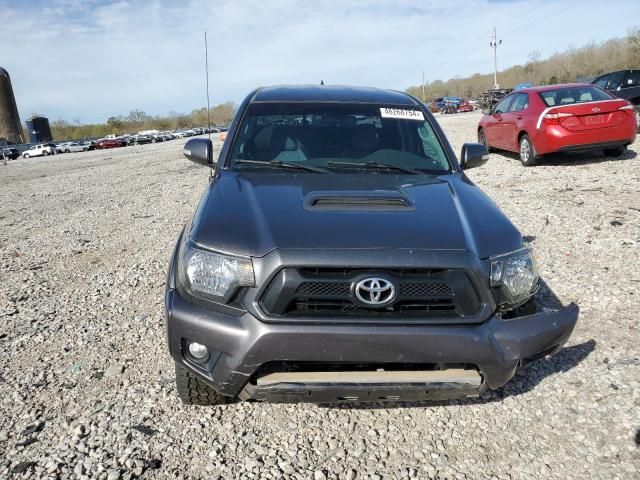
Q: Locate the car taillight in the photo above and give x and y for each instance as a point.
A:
(627, 109)
(554, 118)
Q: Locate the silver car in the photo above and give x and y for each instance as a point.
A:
(69, 147)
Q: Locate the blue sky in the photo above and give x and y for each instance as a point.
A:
(93, 59)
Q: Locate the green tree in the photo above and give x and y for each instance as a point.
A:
(633, 41)
(115, 124)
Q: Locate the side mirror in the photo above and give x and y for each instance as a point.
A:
(199, 150)
(473, 155)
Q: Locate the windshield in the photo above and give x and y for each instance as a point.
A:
(338, 138)
(570, 95)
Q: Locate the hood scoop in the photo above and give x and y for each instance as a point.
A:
(358, 201)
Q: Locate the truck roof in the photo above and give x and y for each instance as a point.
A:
(331, 93)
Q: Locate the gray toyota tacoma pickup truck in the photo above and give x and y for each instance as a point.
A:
(341, 254)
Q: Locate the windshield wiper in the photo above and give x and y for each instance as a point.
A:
(279, 164)
(368, 165)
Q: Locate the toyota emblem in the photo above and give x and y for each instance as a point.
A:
(375, 291)
(595, 109)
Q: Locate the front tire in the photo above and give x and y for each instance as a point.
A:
(528, 153)
(26, 155)
(193, 391)
(45, 153)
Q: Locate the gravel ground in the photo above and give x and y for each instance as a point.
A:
(87, 386)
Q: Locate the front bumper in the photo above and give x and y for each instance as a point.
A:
(240, 344)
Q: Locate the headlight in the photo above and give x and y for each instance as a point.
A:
(213, 275)
(514, 276)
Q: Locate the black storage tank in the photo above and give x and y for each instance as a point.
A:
(39, 130)
(10, 128)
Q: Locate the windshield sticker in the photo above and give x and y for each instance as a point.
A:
(401, 113)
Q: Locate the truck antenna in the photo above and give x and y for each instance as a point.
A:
(206, 66)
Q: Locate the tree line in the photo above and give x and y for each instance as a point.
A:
(568, 66)
(138, 120)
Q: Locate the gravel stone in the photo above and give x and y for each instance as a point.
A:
(84, 244)
(113, 475)
(114, 371)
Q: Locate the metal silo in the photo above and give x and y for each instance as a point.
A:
(39, 130)
(10, 128)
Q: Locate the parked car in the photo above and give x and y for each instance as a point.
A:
(89, 144)
(41, 149)
(465, 106)
(348, 258)
(623, 84)
(69, 147)
(141, 139)
(9, 153)
(110, 143)
(559, 118)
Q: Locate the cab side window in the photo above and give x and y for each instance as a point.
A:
(602, 81)
(615, 79)
(631, 80)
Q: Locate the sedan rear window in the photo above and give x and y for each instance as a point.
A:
(338, 137)
(570, 95)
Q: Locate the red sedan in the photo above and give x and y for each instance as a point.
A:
(559, 118)
(465, 106)
(110, 143)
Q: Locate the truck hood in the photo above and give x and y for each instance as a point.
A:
(254, 213)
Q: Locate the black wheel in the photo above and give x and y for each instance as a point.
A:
(527, 151)
(193, 391)
(67, 151)
(26, 155)
(614, 152)
(45, 153)
(482, 138)
(153, 140)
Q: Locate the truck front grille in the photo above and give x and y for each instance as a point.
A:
(329, 293)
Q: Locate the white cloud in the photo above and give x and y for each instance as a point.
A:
(95, 59)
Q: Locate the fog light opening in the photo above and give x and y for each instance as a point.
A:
(197, 351)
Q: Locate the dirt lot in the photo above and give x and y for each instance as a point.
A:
(86, 384)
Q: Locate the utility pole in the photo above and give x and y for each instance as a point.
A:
(494, 44)
(423, 99)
